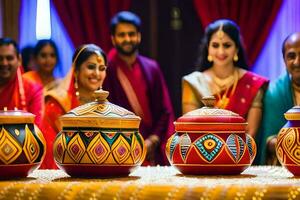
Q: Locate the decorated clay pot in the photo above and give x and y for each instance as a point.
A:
(288, 142)
(99, 139)
(22, 145)
(210, 141)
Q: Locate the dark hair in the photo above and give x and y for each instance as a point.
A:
(8, 41)
(83, 52)
(27, 55)
(41, 44)
(125, 17)
(232, 30)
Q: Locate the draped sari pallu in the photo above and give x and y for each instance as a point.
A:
(246, 90)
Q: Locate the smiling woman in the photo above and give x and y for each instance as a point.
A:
(45, 56)
(90, 71)
(86, 76)
(223, 74)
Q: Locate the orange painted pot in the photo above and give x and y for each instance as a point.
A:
(22, 145)
(210, 141)
(288, 142)
(99, 139)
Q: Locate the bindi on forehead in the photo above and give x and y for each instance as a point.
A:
(220, 33)
(100, 59)
(224, 40)
(96, 57)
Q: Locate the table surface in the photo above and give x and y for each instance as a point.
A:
(257, 182)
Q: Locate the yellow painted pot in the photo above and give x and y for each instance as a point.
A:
(22, 145)
(99, 139)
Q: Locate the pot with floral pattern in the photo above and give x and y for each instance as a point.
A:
(288, 142)
(99, 139)
(22, 144)
(210, 141)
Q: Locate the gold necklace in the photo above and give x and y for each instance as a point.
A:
(223, 100)
(225, 82)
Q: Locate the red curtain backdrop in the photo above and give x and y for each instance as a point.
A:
(87, 21)
(255, 18)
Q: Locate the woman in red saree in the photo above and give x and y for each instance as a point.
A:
(86, 76)
(223, 74)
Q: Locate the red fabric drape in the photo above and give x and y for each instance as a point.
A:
(255, 18)
(87, 21)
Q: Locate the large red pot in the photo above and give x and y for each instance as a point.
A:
(210, 141)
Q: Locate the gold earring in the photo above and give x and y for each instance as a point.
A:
(209, 58)
(76, 87)
(235, 58)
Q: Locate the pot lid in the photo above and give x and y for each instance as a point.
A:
(293, 113)
(210, 118)
(100, 114)
(15, 117)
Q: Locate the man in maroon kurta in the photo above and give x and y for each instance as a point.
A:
(136, 83)
(15, 91)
